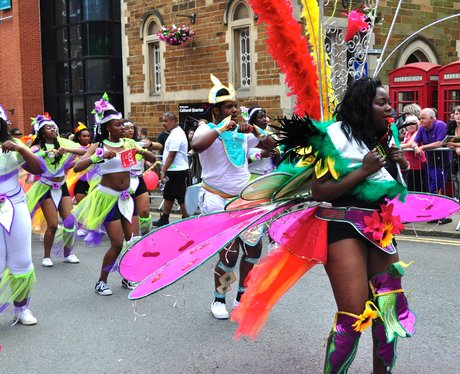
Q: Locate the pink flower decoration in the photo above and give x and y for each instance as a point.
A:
(3, 198)
(125, 195)
(101, 106)
(99, 152)
(56, 186)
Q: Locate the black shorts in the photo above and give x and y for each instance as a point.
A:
(176, 186)
(81, 187)
(337, 231)
(65, 192)
(142, 188)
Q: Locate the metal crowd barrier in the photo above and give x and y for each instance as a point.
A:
(438, 174)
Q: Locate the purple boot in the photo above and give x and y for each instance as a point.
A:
(397, 318)
(342, 344)
(384, 351)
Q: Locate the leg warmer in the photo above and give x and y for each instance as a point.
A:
(388, 294)
(16, 288)
(144, 224)
(342, 344)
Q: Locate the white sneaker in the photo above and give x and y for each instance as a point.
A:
(81, 233)
(47, 262)
(71, 259)
(235, 303)
(218, 310)
(26, 317)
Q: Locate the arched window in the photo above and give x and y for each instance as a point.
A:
(417, 51)
(154, 56)
(239, 18)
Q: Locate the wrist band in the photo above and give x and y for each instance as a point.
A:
(255, 157)
(95, 159)
(405, 170)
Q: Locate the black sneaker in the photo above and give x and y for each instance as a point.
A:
(443, 221)
(128, 284)
(161, 221)
(102, 289)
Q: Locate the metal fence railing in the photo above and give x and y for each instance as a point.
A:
(436, 171)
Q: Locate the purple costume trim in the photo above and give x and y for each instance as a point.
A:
(387, 283)
(342, 346)
(384, 351)
(354, 217)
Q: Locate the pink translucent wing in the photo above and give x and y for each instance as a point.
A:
(421, 207)
(193, 257)
(279, 229)
(161, 246)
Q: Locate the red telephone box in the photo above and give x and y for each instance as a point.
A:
(414, 83)
(449, 89)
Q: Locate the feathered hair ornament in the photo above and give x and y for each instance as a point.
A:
(103, 112)
(291, 52)
(213, 98)
(81, 126)
(101, 107)
(42, 120)
(294, 135)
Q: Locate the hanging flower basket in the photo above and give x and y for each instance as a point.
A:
(176, 35)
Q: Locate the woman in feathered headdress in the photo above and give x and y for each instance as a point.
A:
(110, 203)
(17, 274)
(50, 194)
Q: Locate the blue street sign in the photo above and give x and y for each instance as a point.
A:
(360, 69)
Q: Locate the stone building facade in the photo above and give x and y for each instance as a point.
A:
(159, 77)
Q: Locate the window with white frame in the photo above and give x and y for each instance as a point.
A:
(240, 24)
(155, 60)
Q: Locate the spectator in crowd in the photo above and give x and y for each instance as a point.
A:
(455, 145)
(261, 161)
(143, 133)
(16, 133)
(194, 161)
(429, 137)
(175, 168)
(416, 175)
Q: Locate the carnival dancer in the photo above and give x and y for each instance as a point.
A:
(78, 183)
(17, 274)
(355, 266)
(223, 151)
(50, 193)
(261, 161)
(110, 203)
(138, 186)
(358, 165)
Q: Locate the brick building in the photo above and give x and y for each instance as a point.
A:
(21, 84)
(230, 44)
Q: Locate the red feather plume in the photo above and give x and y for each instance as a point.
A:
(290, 50)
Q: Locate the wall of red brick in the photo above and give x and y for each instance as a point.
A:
(21, 85)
